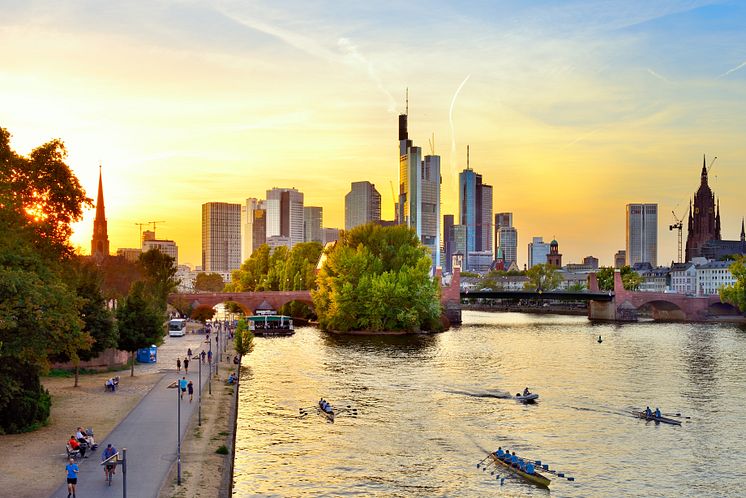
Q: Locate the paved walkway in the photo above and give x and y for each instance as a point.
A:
(149, 434)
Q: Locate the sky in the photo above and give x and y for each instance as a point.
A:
(572, 109)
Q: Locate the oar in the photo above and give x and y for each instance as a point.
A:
(545, 468)
(675, 415)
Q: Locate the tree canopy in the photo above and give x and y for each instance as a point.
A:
(630, 279)
(208, 282)
(140, 323)
(282, 269)
(542, 277)
(377, 279)
(736, 294)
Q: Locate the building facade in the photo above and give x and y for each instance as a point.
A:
(448, 220)
(642, 234)
(683, 278)
(554, 257)
(285, 214)
(313, 218)
(620, 259)
(713, 275)
(362, 205)
(167, 247)
(538, 250)
(475, 210)
(703, 224)
(253, 226)
(221, 237)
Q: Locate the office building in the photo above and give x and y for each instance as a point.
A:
(538, 250)
(419, 192)
(362, 205)
(642, 234)
(330, 235)
(221, 237)
(620, 259)
(167, 247)
(312, 220)
(475, 209)
(447, 243)
(506, 238)
(704, 218)
(285, 214)
(131, 254)
(253, 226)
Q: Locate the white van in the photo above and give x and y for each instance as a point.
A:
(177, 327)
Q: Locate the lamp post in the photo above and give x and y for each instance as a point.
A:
(178, 434)
(209, 362)
(199, 390)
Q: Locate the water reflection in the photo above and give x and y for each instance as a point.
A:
(429, 404)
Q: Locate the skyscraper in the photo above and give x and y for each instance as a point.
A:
(642, 234)
(312, 221)
(506, 238)
(252, 210)
(448, 242)
(704, 218)
(419, 192)
(221, 237)
(100, 239)
(538, 250)
(362, 205)
(285, 214)
(475, 210)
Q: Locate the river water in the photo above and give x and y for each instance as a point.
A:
(429, 405)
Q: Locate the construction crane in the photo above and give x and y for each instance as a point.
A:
(678, 225)
(154, 224)
(139, 241)
(711, 163)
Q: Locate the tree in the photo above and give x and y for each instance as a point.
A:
(542, 277)
(375, 279)
(736, 294)
(243, 339)
(140, 324)
(252, 272)
(160, 277)
(630, 279)
(202, 313)
(208, 282)
(576, 287)
(118, 276)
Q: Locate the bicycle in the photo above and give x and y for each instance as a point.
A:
(109, 474)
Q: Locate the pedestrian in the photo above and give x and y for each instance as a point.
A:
(178, 364)
(203, 354)
(189, 352)
(72, 477)
(183, 386)
(209, 356)
(186, 366)
(190, 388)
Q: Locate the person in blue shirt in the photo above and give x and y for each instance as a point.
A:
(514, 459)
(648, 412)
(109, 452)
(183, 385)
(72, 477)
(499, 453)
(657, 412)
(529, 468)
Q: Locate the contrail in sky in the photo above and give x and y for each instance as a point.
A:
(450, 121)
(741, 65)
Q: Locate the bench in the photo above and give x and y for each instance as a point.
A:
(72, 453)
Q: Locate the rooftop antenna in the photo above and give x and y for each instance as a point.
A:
(467, 157)
(406, 107)
(432, 145)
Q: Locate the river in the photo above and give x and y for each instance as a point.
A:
(429, 405)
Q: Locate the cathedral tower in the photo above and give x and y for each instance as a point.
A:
(100, 240)
(704, 218)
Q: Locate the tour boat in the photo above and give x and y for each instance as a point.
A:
(267, 325)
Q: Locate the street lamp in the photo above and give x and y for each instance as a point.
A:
(199, 391)
(178, 433)
(209, 361)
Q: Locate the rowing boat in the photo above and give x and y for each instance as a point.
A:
(529, 398)
(655, 419)
(329, 415)
(534, 478)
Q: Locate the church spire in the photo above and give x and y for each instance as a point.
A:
(100, 239)
(743, 232)
(704, 170)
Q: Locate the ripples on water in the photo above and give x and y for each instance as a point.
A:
(427, 404)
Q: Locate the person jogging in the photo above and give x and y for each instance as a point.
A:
(190, 389)
(72, 477)
(183, 386)
(186, 365)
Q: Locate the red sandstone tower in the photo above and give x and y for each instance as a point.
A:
(704, 218)
(100, 239)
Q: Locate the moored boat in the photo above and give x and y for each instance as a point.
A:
(267, 325)
(655, 419)
(534, 478)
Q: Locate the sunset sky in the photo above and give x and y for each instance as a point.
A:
(572, 109)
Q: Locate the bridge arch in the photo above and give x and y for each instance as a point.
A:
(248, 301)
(662, 309)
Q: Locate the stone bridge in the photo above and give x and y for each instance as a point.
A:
(626, 305)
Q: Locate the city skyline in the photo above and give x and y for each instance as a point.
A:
(580, 111)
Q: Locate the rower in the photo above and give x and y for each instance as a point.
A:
(499, 453)
(514, 459)
(529, 468)
(526, 392)
(657, 412)
(648, 412)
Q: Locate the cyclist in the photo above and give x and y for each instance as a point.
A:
(110, 466)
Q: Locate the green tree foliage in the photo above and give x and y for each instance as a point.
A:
(208, 282)
(202, 313)
(577, 287)
(283, 269)
(630, 279)
(140, 323)
(160, 277)
(377, 279)
(39, 308)
(736, 294)
(243, 339)
(252, 273)
(542, 277)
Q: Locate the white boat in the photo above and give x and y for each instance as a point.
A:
(529, 398)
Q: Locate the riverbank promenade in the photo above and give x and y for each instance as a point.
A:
(149, 434)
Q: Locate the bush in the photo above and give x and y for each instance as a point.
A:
(223, 450)
(24, 403)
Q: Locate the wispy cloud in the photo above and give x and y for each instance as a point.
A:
(656, 75)
(355, 56)
(733, 70)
